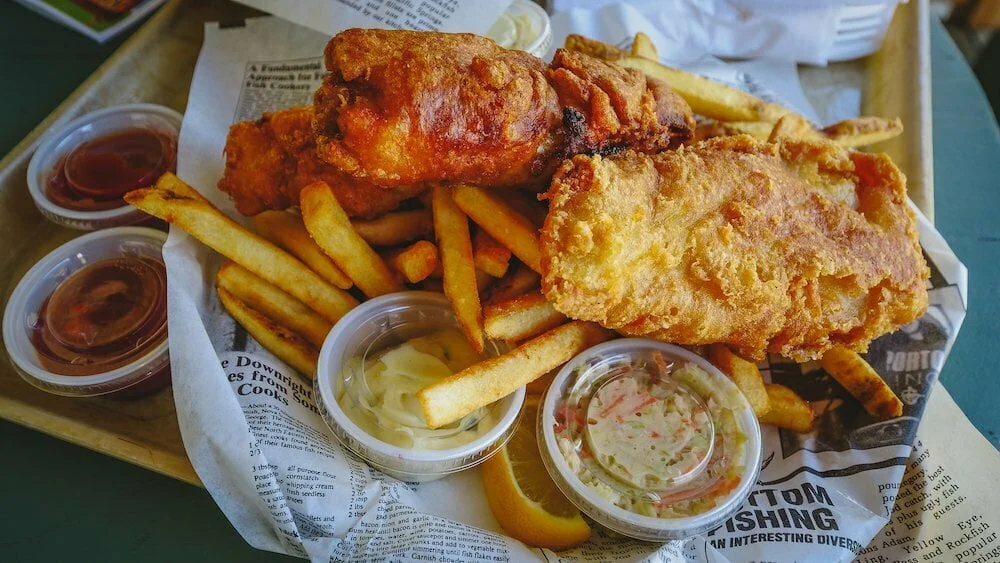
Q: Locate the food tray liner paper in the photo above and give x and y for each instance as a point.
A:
(256, 440)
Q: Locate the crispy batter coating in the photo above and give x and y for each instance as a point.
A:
(407, 107)
(607, 108)
(402, 107)
(792, 247)
(270, 160)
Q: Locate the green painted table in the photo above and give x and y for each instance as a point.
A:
(64, 502)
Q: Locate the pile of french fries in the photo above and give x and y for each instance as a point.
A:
(301, 271)
(728, 111)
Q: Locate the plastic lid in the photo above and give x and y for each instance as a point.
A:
(649, 439)
(372, 328)
(524, 26)
(21, 315)
(58, 144)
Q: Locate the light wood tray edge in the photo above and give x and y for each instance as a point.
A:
(898, 84)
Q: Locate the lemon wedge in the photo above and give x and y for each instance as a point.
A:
(524, 499)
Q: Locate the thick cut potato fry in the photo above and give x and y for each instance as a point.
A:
(863, 131)
(490, 256)
(416, 262)
(788, 410)
(521, 318)
(707, 97)
(288, 346)
(396, 228)
(642, 46)
(793, 126)
(744, 374)
(288, 232)
(171, 183)
(593, 47)
(172, 201)
(272, 302)
(329, 226)
(519, 280)
(503, 222)
(862, 381)
(455, 396)
(850, 133)
(451, 227)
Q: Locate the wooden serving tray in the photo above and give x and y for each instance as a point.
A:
(156, 65)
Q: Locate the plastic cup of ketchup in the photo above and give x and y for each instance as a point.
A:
(91, 317)
(80, 172)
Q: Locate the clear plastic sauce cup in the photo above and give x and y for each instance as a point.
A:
(380, 420)
(649, 439)
(525, 26)
(133, 365)
(59, 145)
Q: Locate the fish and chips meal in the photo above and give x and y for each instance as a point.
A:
(558, 206)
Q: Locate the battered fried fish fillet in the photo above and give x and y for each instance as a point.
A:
(790, 248)
(407, 107)
(270, 160)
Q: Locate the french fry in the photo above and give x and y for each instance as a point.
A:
(455, 396)
(416, 262)
(500, 220)
(863, 131)
(272, 302)
(329, 226)
(397, 228)
(788, 410)
(521, 318)
(518, 281)
(792, 126)
(856, 132)
(451, 227)
(288, 232)
(862, 381)
(171, 183)
(593, 47)
(172, 200)
(280, 341)
(490, 256)
(707, 97)
(744, 374)
(642, 46)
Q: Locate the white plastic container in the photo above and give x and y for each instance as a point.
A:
(144, 375)
(860, 30)
(524, 26)
(57, 144)
(575, 394)
(372, 327)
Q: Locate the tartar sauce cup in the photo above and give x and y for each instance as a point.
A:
(525, 26)
(56, 146)
(145, 374)
(680, 470)
(363, 336)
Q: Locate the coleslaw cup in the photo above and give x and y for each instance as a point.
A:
(580, 381)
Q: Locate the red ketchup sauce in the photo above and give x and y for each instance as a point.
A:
(104, 316)
(97, 174)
